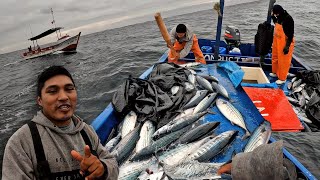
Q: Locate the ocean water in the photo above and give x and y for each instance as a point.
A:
(104, 59)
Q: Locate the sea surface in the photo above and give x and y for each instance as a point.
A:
(104, 59)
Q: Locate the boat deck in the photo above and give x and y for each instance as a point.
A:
(242, 102)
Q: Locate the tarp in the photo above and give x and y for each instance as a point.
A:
(152, 99)
(263, 85)
(235, 73)
(46, 33)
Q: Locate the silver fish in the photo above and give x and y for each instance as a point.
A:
(297, 89)
(232, 114)
(204, 83)
(261, 135)
(205, 103)
(197, 132)
(129, 123)
(192, 71)
(153, 172)
(220, 89)
(126, 145)
(178, 124)
(178, 154)
(302, 100)
(159, 144)
(293, 101)
(290, 75)
(210, 78)
(191, 64)
(296, 83)
(184, 113)
(192, 78)
(113, 142)
(289, 86)
(132, 170)
(211, 148)
(193, 170)
(146, 133)
(174, 89)
(196, 99)
(188, 86)
(305, 119)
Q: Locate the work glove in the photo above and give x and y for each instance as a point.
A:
(286, 50)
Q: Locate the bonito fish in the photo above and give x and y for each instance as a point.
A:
(146, 132)
(129, 123)
(211, 148)
(232, 114)
(260, 136)
(193, 170)
(178, 124)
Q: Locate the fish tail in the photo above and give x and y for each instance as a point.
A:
(246, 135)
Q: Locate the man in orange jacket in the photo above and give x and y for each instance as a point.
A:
(283, 43)
(184, 40)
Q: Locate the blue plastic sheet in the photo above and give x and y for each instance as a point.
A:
(235, 73)
(264, 85)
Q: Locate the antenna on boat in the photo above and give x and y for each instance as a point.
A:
(54, 23)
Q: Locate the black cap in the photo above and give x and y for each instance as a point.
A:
(277, 9)
(181, 28)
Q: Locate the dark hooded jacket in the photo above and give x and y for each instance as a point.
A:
(285, 20)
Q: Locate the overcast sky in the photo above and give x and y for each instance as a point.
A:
(21, 17)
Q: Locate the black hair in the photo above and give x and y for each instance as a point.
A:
(49, 73)
(277, 9)
(181, 28)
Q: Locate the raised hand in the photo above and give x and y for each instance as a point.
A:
(90, 166)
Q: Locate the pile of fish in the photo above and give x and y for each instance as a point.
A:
(300, 99)
(183, 148)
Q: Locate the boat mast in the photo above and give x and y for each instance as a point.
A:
(271, 3)
(219, 8)
(34, 46)
(54, 23)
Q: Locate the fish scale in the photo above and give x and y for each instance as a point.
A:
(260, 136)
(129, 123)
(211, 148)
(232, 114)
(193, 170)
(178, 124)
(159, 144)
(145, 135)
(132, 170)
(178, 154)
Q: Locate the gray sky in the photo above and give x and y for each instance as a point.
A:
(20, 17)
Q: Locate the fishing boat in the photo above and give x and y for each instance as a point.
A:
(64, 43)
(244, 97)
